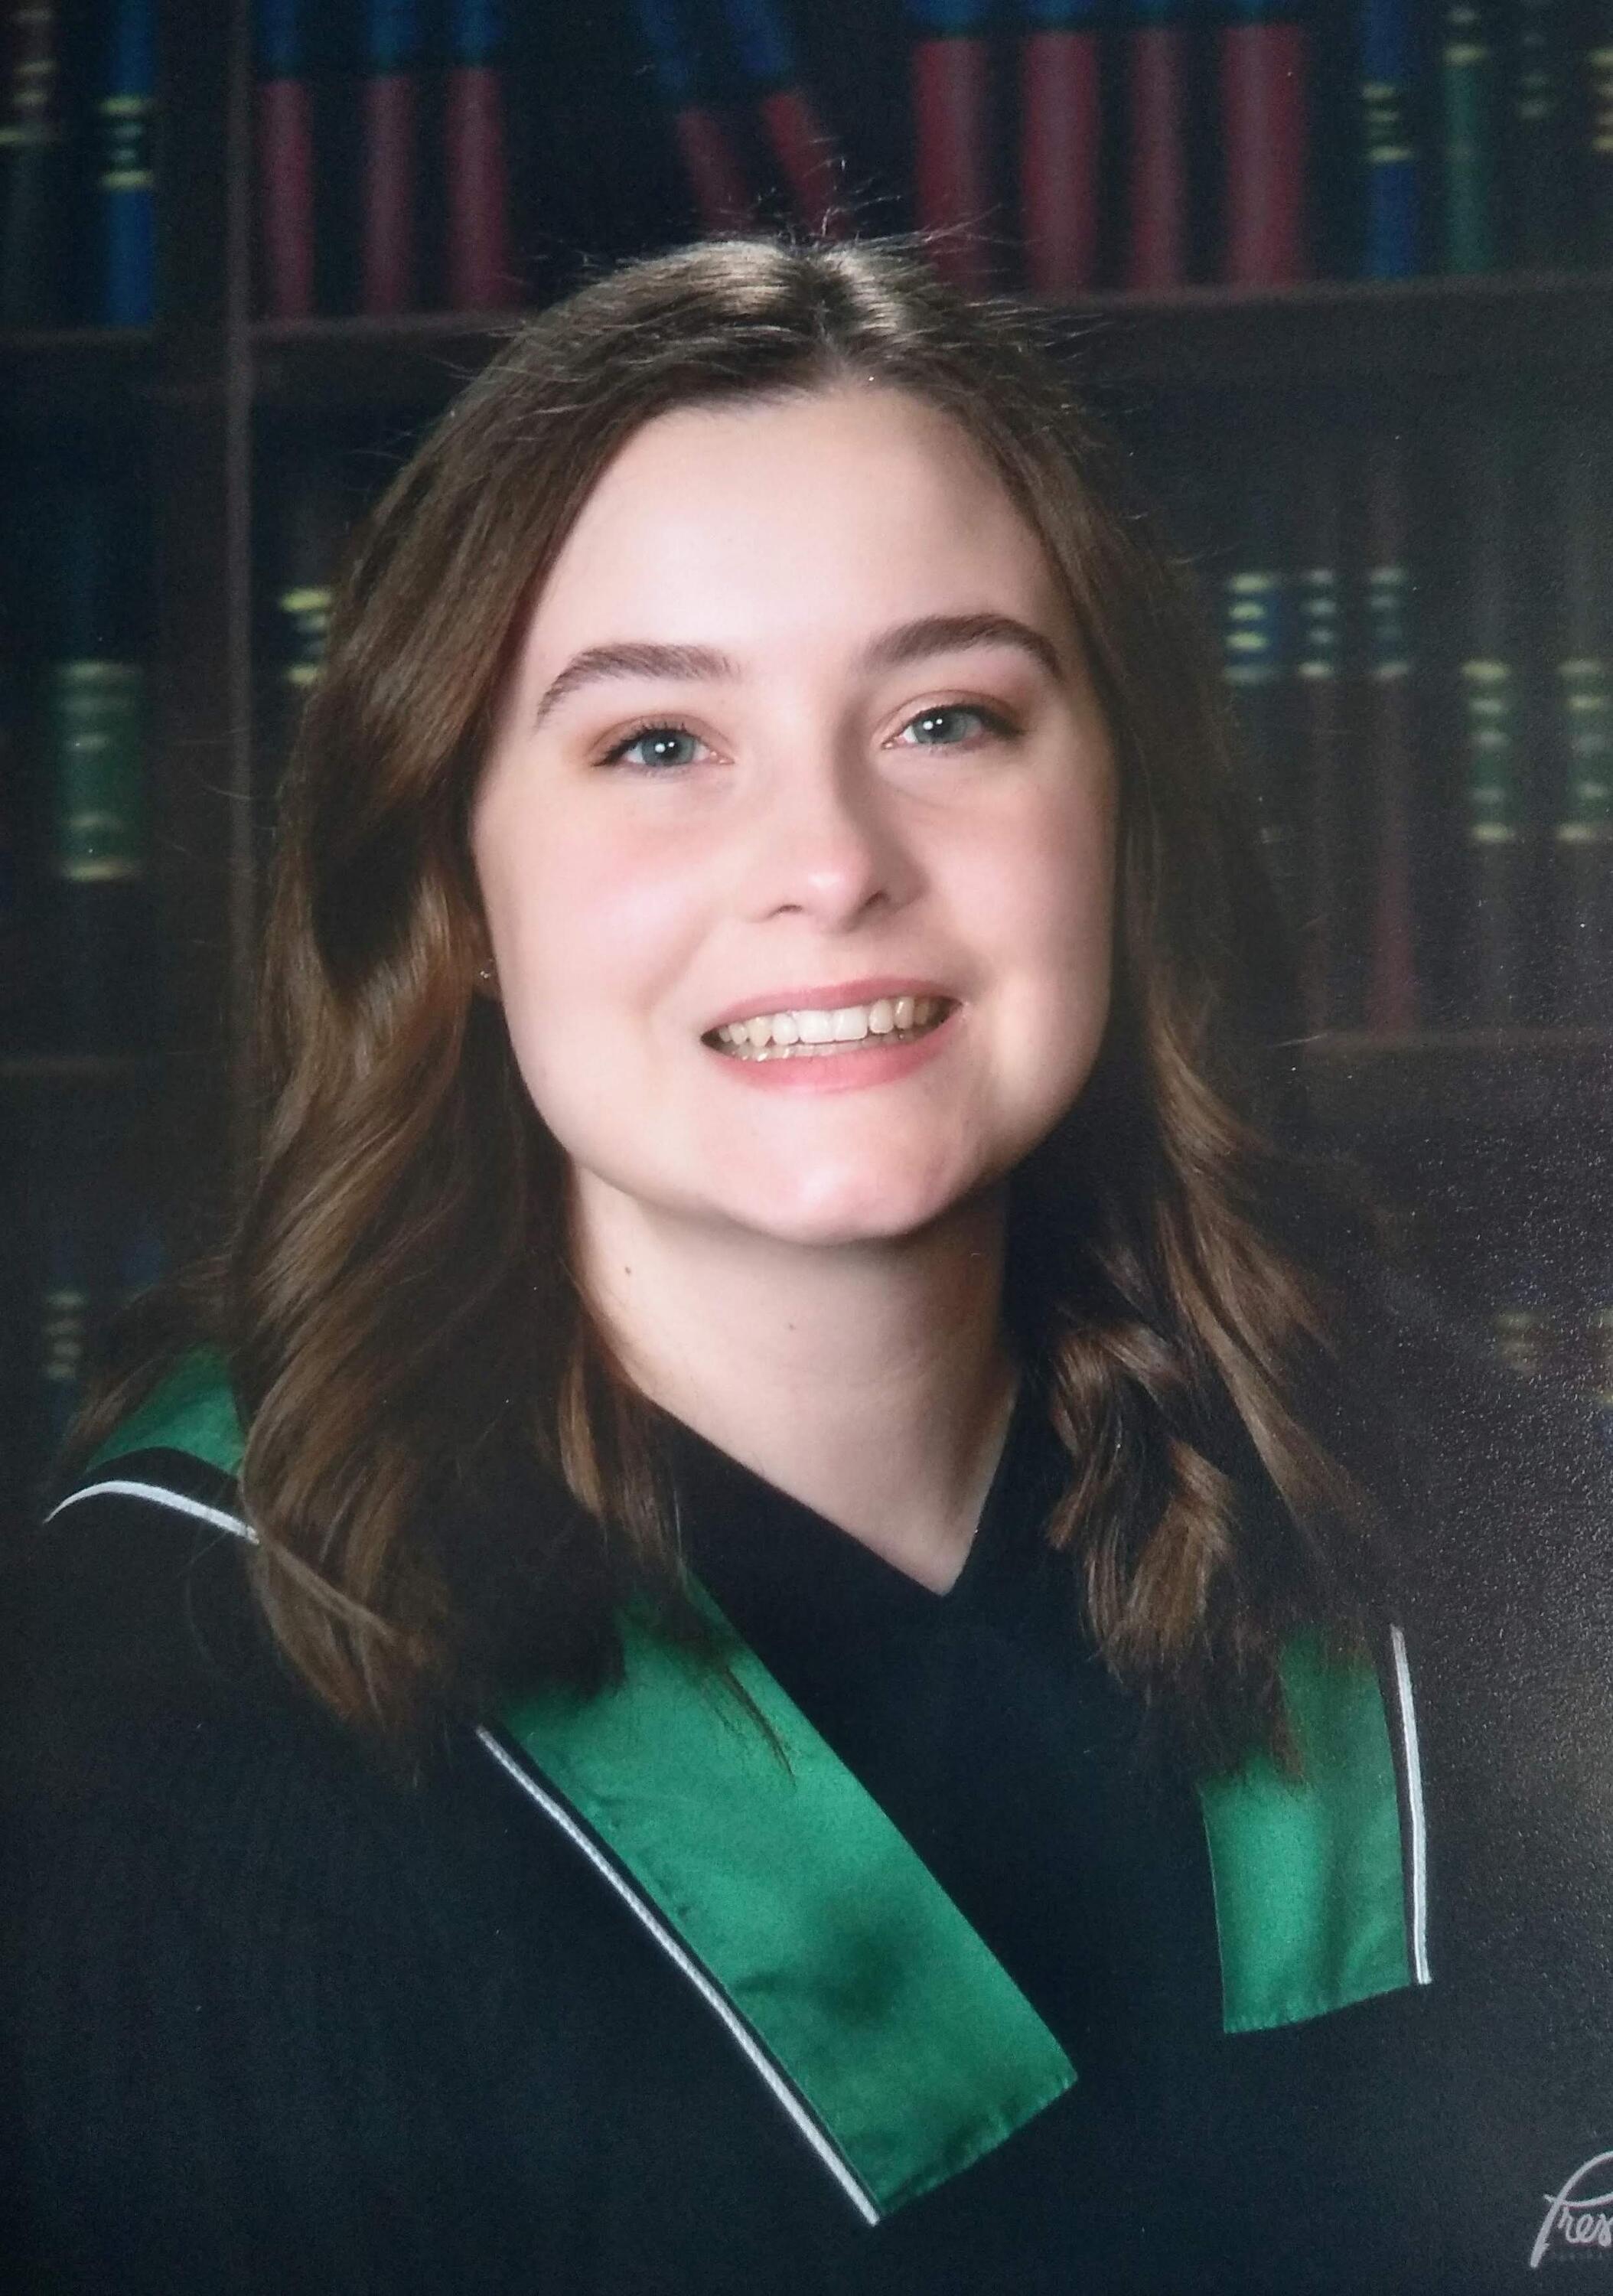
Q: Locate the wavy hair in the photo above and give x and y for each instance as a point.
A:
(412, 1356)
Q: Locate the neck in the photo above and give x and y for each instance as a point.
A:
(871, 1381)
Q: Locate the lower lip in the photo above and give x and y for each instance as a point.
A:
(848, 1071)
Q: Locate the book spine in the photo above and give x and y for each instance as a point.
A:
(1470, 137)
(1496, 943)
(806, 153)
(123, 167)
(1394, 997)
(1255, 657)
(479, 266)
(1059, 147)
(31, 186)
(1583, 699)
(1265, 137)
(1538, 136)
(92, 776)
(1392, 248)
(307, 537)
(1155, 71)
(63, 1329)
(1593, 121)
(1330, 956)
(285, 161)
(716, 179)
(953, 195)
(391, 118)
(14, 965)
(95, 763)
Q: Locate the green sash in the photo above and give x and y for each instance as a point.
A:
(838, 1952)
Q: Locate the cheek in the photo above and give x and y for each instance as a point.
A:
(586, 927)
(1048, 885)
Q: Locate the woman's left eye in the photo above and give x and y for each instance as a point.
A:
(947, 727)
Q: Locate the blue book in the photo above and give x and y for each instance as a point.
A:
(123, 169)
(1387, 63)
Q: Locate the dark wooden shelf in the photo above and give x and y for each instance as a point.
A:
(416, 360)
(1544, 325)
(48, 373)
(1518, 325)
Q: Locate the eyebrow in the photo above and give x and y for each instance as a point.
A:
(908, 641)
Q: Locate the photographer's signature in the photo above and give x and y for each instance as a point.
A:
(1574, 2218)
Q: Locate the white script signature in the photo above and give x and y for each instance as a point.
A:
(1580, 2219)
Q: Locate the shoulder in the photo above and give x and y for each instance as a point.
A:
(134, 1585)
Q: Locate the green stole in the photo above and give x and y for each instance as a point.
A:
(913, 2049)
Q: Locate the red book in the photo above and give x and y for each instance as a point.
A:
(1156, 171)
(953, 172)
(478, 259)
(285, 160)
(716, 177)
(808, 157)
(1264, 133)
(390, 100)
(1060, 131)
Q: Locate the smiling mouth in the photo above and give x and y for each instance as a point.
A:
(828, 1034)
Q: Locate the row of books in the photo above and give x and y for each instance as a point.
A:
(1258, 142)
(1064, 144)
(77, 82)
(419, 153)
(1417, 637)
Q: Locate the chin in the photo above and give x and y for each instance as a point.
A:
(867, 1208)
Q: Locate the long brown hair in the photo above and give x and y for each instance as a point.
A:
(412, 1356)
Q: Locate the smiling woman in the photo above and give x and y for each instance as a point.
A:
(793, 1615)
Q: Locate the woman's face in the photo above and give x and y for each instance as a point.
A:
(800, 734)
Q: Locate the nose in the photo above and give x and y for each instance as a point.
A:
(827, 845)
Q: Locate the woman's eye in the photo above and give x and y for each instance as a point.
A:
(949, 726)
(660, 748)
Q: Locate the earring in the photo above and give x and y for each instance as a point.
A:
(483, 973)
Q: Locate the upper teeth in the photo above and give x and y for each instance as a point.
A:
(846, 1024)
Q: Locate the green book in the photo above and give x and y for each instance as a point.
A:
(1539, 140)
(1593, 124)
(1255, 612)
(1331, 953)
(92, 775)
(1470, 137)
(1582, 723)
(1491, 730)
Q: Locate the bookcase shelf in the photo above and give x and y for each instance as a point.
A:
(51, 374)
(1516, 328)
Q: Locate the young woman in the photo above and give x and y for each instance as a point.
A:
(791, 1621)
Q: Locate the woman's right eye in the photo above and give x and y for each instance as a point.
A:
(665, 749)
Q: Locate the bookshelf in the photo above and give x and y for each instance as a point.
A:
(200, 399)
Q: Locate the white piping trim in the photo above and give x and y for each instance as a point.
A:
(670, 1944)
(674, 1949)
(174, 1499)
(1414, 1804)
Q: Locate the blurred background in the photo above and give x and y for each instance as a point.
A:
(1340, 271)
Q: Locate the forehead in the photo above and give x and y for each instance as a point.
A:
(819, 505)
